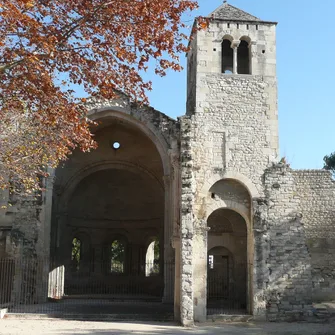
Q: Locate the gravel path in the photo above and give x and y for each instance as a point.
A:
(65, 327)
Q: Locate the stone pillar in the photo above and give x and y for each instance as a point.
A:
(234, 46)
(136, 258)
(186, 225)
(174, 155)
(63, 241)
(128, 259)
(44, 260)
(200, 271)
(176, 246)
(252, 55)
(261, 256)
(98, 253)
(168, 251)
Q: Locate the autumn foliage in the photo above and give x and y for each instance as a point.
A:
(46, 46)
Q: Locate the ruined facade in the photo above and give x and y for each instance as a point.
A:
(201, 202)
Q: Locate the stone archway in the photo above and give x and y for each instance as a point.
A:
(122, 191)
(227, 263)
(229, 200)
(115, 205)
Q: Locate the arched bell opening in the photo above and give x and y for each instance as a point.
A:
(227, 60)
(243, 57)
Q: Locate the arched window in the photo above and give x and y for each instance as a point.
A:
(152, 258)
(243, 58)
(76, 252)
(117, 256)
(227, 57)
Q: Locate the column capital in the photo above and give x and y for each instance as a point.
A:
(235, 44)
(175, 242)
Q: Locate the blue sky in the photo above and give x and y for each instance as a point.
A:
(305, 70)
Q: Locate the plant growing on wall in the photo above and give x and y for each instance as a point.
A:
(329, 162)
(50, 47)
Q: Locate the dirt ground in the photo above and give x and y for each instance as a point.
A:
(65, 327)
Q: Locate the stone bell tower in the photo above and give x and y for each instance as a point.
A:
(232, 92)
(229, 138)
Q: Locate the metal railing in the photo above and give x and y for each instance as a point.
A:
(39, 286)
(226, 290)
(7, 271)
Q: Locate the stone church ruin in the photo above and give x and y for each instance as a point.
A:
(197, 213)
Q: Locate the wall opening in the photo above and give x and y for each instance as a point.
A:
(117, 257)
(243, 58)
(227, 57)
(152, 258)
(226, 263)
(218, 273)
(76, 254)
(113, 208)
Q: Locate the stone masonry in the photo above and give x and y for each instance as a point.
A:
(244, 233)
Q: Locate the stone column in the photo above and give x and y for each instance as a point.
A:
(168, 251)
(234, 46)
(176, 246)
(186, 225)
(252, 56)
(200, 271)
(98, 257)
(43, 266)
(136, 259)
(261, 255)
(128, 259)
(175, 223)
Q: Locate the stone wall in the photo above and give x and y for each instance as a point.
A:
(21, 228)
(316, 190)
(235, 126)
(161, 125)
(287, 270)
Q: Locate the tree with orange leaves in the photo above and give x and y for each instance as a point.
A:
(46, 46)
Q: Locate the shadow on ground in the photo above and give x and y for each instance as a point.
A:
(63, 327)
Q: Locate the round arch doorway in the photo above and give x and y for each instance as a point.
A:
(227, 263)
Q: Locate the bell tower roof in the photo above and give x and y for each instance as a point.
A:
(231, 13)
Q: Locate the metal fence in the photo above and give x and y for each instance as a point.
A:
(226, 290)
(41, 286)
(7, 271)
